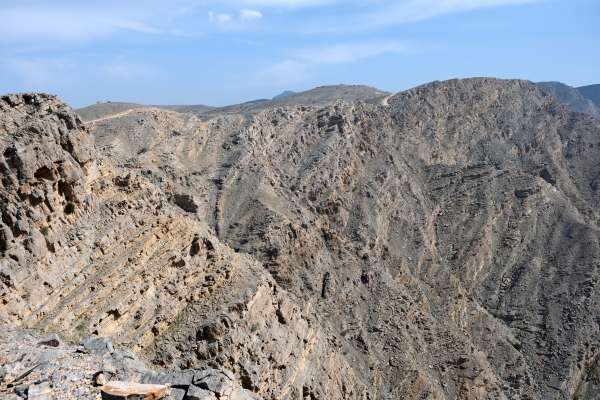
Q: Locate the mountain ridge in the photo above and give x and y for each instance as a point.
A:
(591, 92)
(442, 245)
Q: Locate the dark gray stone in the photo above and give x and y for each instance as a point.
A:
(214, 380)
(186, 202)
(175, 379)
(21, 390)
(98, 345)
(52, 341)
(196, 393)
(40, 391)
(176, 394)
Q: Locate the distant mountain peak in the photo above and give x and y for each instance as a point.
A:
(284, 94)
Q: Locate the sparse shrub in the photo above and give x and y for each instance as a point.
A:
(70, 208)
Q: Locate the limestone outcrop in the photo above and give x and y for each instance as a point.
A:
(440, 244)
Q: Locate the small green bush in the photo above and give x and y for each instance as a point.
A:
(70, 208)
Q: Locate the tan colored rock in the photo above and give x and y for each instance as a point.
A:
(123, 390)
(444, 245)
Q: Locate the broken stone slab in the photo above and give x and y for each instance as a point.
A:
(243, 394)
(52, 341)
(216, 381)
(176, 394)
(174, 379)
(196, 393)
(41, 391)
(130, 360)
(98, 345)
(100, 379)
(118, 390)
(186, 202)
(21, 390)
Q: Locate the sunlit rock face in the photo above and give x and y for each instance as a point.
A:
(440, 243)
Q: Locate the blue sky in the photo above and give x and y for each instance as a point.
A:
(229, 51)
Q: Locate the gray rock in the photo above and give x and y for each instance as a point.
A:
(175, 379)
(186, 202)
(98, 345)
(21, 390)
(176, 394)
(36, 244)
(6, 237)
(129, 359)
(101, 378)
(214, 380)
(51, 341)
(243, 394)
(41, 391)
(196, 393)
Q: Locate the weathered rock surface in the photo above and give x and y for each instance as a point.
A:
(443, 244)
(574, 98)
(116, 390)
(34, 370)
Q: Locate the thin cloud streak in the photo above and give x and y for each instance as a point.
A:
(31, 23)
(298, 67)
(407, 11)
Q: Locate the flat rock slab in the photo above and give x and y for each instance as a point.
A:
(116, 390)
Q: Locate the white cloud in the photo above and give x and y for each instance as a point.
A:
(388, 13)
(53, 23)
(348, 52)
(232, 21)
(250, 15)
(278, 3)
(415, 10)
(298, 67)
(70, 20)
(219, 18)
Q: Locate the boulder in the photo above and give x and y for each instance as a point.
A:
(186, 202)
(196, 393)
(216, 381)
(98, 345)
(52, 341)
(176, 394)
(118, 390)
(175, 379)
(41, 391)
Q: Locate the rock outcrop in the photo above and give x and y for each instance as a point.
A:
(38, 367)
(442, 244)
(574, 98)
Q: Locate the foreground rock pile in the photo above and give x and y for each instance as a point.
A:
(443, 244)
(44, 367)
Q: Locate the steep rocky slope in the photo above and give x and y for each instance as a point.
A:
(574, 98)
(442, 246)
(591, 92)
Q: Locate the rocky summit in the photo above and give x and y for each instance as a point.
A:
(439, 243)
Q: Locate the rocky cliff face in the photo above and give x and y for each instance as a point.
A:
(577, 99)
(442, 245)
